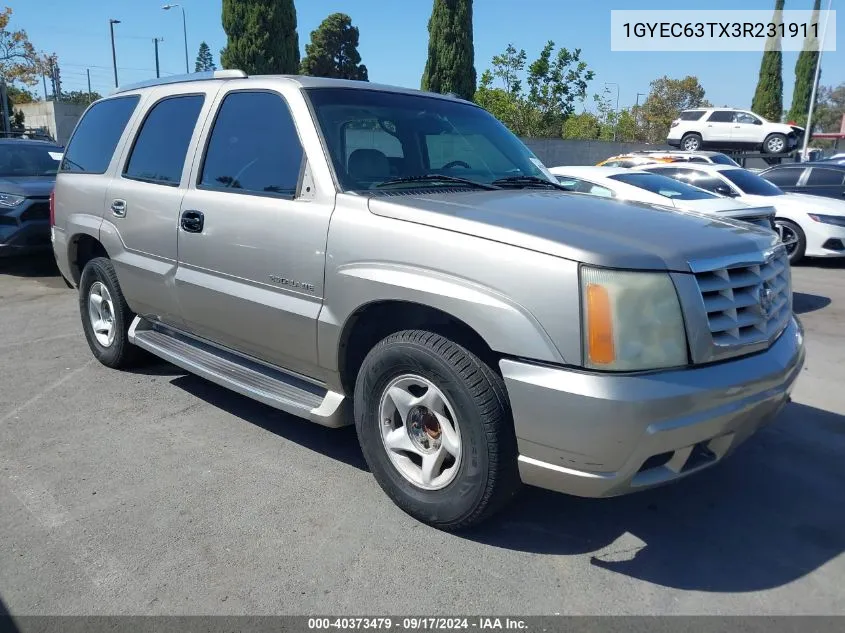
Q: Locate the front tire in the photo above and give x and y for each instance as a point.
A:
(691, 142)
(794, 239)
(774, 144)
(434, 424)
(105, 315)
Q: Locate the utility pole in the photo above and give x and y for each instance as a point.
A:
(7, 125)
(44, 80)
(616, 122)
(112, 22)
(639, 94)
(156, 40)
(90, 98)
(809, 129)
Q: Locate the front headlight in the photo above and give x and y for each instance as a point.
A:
(10, 200)
(828, 219)
(631, 320)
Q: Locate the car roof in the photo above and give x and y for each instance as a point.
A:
(302, 81)
(677, 152)
(835, 163)
(698, 166)
(29, 141)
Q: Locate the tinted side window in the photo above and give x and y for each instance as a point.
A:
(691, 115)
(96, 137)
(253, 147)
(824, 177)
(721, 116)
(162, 144)
(700, 179)
(787, 177)
(742, 117)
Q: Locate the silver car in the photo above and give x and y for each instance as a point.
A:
(354, 253)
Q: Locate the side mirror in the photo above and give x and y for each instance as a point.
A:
(724, 190)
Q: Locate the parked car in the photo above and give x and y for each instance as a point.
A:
(643, 186)
(725, 128)
(27, 175)
(401, 260)
(816, 179)
(631, 160)
(809, 225)
(715, 158)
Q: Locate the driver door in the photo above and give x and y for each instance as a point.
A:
(747, 129)
(251, 238)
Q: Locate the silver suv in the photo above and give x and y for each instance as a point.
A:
(354, 253)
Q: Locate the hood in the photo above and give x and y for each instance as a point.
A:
(801, 202)
(727, 207)
(29, 186)
(583, 228)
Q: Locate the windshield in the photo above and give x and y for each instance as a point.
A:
(722, 159)
(751, 184)
(374, 137)
(23, 159)
(664, 186)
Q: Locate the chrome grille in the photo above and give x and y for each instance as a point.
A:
(747, 304)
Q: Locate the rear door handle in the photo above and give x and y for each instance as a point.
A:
(192, 221)
(118, 208)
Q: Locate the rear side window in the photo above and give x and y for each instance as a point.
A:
(254, 147)
(162, 144)
(824, 177)
(691, 115)
(96, 137)
(722, 116)
(784, 177)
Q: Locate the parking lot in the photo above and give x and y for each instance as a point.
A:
(156, 492)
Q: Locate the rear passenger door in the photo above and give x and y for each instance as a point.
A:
(252, 233)
(825, 182)
(717, 128)
(143, 199)
(785, 178)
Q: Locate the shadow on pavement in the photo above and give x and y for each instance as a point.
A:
(41, 265)
(7, 624)
(769, 514)
(339, 444)
(803, 303)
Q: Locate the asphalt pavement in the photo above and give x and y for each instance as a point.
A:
(156, 492)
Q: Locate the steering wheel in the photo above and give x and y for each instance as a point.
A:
(456, 163)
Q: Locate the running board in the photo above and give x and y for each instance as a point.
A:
(247, 377)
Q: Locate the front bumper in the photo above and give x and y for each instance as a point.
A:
(31, 237)
(602, 435)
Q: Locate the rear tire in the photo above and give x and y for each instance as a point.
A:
(691, 142)
(399, 380)
(774, 144)
(105, 316)
(789, 231)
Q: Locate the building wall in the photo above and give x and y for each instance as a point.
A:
(558, 151)
(58, 118)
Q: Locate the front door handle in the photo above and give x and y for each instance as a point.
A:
(192, 221)
(118, 208)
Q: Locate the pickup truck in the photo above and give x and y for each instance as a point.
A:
(352, 253)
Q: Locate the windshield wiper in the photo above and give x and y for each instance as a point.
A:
(528, 181)
(437, 178)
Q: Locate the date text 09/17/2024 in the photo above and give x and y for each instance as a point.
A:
(478, 623)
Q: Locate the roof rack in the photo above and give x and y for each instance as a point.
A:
(176, 79)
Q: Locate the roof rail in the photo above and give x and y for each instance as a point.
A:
(176, 79)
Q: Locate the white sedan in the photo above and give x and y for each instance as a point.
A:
(810, 226)
(641, 186)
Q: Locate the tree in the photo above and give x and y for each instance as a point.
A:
(333, 51)
(554, 84)
(666, 98)
(262, 37)
(18, 59)
(508, 66)
(80, 97)
(451, 53)
(830, 108)
(18, 96)
(205, 61)
(768, 98)
(805, 73)
(584, 126)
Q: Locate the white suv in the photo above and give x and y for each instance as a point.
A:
(724, 128)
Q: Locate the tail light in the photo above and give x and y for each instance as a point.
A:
(53, 208)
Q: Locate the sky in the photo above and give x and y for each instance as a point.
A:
(394, 38)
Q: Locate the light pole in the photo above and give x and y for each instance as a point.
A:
(640, 94)
(167, 7)
(112, 22)
(809, 128)
(616, 122)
